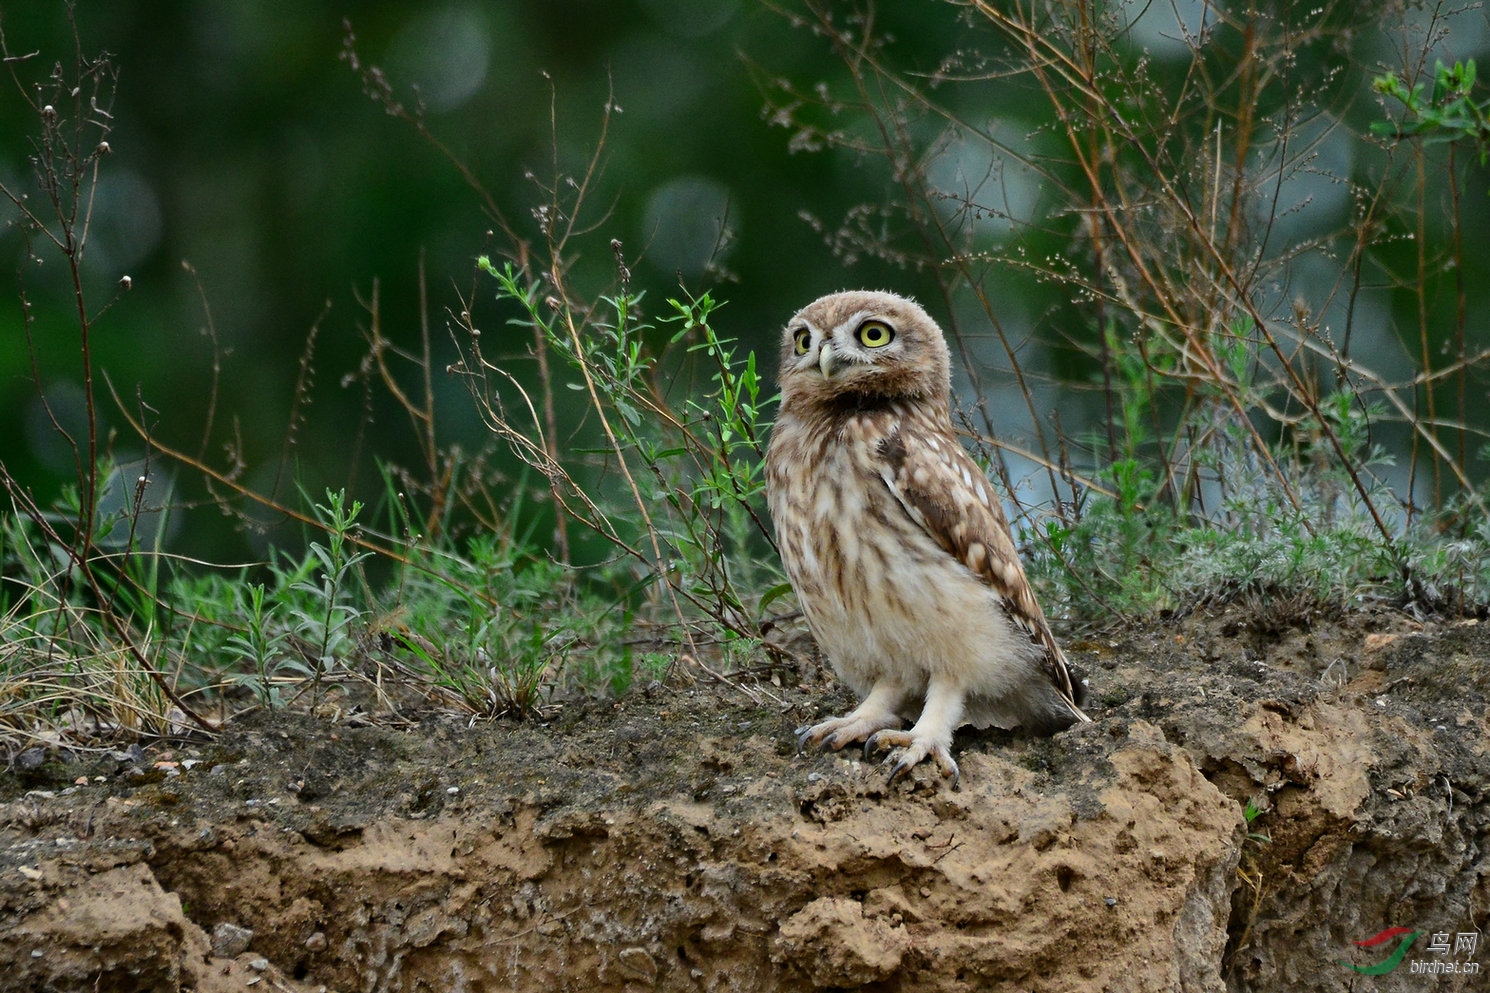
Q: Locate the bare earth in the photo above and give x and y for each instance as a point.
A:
(673, 841)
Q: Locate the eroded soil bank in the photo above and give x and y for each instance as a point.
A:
(675, 842)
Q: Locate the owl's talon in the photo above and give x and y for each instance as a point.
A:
(838, 732)
(884, 740)
(913, 750)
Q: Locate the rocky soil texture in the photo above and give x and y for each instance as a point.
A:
(674, 841)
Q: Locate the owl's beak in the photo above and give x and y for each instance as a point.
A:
(825, 360)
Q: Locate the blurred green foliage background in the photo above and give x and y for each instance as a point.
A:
(244, 146)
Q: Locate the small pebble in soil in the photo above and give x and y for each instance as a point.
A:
(230, 940)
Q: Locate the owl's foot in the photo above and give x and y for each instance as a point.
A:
(876, 713)
(841, 731)
(914, 748)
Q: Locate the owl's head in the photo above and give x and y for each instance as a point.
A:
(863, 348)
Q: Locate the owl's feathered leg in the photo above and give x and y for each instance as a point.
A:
(877, 712)
(931, 737)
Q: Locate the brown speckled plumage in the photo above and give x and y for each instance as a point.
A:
(895, 542)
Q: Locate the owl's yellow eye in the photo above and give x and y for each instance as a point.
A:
(803, 340)
(875, 334)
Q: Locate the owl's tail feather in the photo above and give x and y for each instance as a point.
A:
(1073, 691)
(1081, 715)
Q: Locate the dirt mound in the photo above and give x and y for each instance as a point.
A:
(677, 843)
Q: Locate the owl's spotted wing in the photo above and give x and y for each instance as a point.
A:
(944, 491)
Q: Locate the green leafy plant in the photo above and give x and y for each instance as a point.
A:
(327, 613)
(1447, 112)
(689, 516)
(1251, 812)
(261, 645)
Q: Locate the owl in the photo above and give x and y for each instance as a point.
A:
(895, 543)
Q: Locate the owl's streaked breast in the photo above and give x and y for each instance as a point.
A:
(878, 593)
